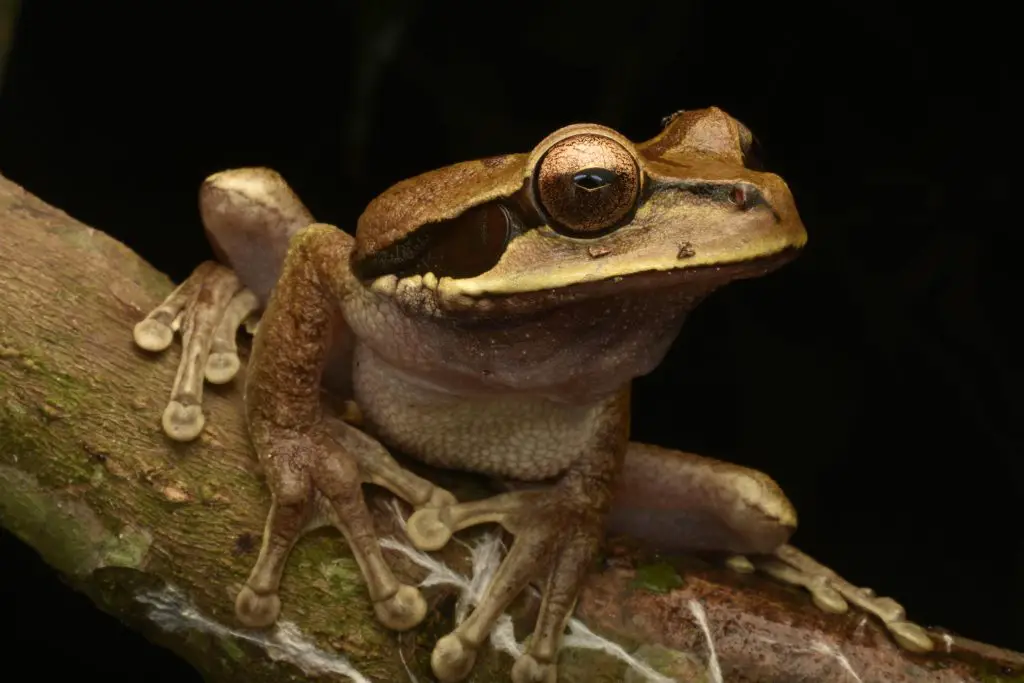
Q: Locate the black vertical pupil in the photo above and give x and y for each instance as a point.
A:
(593, 178)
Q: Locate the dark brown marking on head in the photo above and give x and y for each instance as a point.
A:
(464, 246)
(435, 197)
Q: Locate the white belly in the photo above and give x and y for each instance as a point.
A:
(514, 436)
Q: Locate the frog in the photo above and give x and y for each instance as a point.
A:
(490, 317)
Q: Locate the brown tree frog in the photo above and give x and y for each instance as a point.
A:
(490, 316)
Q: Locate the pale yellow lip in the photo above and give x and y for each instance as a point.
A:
(568, 274)
(699, 277)
(427, 294)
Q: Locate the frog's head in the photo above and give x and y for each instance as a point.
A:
(589, 243)
(585, 210)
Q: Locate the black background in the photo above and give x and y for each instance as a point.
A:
(875, 378)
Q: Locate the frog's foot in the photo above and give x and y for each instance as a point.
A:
(333, 497)
(316, 481)
(557, 535)
(208, 308)
(832, 593)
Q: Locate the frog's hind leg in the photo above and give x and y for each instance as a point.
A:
(682, 501)
(250, 215)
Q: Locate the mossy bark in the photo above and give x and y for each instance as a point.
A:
(88, 479)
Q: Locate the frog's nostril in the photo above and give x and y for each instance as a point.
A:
(739, 197)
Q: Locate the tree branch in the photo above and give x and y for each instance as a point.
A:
(162, 534)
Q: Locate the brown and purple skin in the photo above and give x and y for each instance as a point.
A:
(490, 316)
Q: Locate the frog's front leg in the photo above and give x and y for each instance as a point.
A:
(249, 215)
(315, 465)
(558, 531)
(682, 501)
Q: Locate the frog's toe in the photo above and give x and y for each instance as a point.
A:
(403, 610)
(222, 367)
(832, 593)
(910, 636)
(337, 476)
(528, 670)
(223, 363)
(427, 530)
(824, 596)
(255, 610)
(452, 659)
(292, 511)
(183, 422)
(156, 331)
(153, 335)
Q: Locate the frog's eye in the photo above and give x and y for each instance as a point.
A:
(587, 184)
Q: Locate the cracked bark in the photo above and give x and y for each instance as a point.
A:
(88, 480)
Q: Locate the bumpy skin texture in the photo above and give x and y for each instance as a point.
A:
(490, 317)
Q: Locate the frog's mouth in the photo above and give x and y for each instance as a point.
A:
(426, 294)
(687, 281)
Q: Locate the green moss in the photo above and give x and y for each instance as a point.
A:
(52, 410)
(127, 549)
(323, 564)
(16, 442)
(679, 666)
(1001, 677)
(232, 649)
(342, 574)
(660, 577)
(589, 666)
(67, 394)
(65, 531)
(98, 476)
